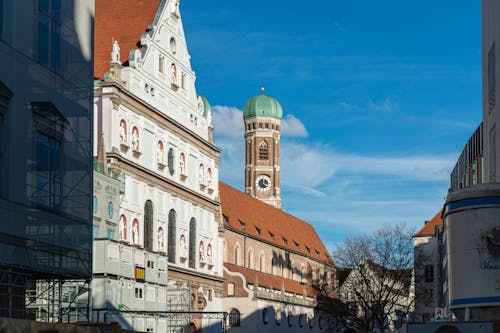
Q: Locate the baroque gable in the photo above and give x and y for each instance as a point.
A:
(159, 71)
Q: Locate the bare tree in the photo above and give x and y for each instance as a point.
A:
(378, 274)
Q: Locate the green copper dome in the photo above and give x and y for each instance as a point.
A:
(206, 106)
(262, 106)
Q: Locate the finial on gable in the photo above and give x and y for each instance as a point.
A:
(262, 90)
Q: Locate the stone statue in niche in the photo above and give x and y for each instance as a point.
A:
(123, 132)
(209, 177)
(200, 174)
(160, 239)
(135, 139)
(123, 227)
(159, 153)
(173, 74)
(115, 54)
(202, 252)
(182, 161)
(135, 232)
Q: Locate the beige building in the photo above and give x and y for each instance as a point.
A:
(275, 264)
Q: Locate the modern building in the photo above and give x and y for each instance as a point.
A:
(275, 264)
(491, 74)
(469, 168)
(157, 132)
(46, 59)
(471, 232)
(428, 278)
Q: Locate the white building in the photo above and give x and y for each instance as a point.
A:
(157, 132)
(45, 144)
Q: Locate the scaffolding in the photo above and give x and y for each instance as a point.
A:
(58, 301)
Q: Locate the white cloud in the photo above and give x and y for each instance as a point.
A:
(293, 127)
(228, 122)
(387, 105)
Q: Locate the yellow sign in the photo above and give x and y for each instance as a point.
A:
(140, 274)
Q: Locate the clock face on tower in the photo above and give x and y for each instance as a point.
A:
(263, 183)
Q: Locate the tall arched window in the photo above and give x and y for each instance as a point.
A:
(192, 243)
(261, 263)
(250, 259)
(263, 150)
(236, 254)
(302, 273)
(172, 217)
(148, 226)
(274, 265)
(234, 318)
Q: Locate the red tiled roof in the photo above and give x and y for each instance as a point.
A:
(430, 228)
(123, 20)
(271, 281)
(250, 216)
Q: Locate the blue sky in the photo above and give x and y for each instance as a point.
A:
(379, 98)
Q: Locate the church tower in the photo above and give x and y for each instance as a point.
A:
(262, 117)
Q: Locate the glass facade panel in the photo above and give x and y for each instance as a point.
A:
(48, 173)
(49, 34)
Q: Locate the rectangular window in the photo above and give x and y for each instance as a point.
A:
(95, 231)
(111, 234)
(49, 34)
(429, 273)
(493, 154)
(491, 77)
(1, 19)
(48, 172)
(230, 289)
(138, 293)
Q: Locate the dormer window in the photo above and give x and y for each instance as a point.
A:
(317, 252)
(285, 240)
(226, 218)
(271, 235)
(242, 224)
(296, 244)
(308, 249)
(258, 230)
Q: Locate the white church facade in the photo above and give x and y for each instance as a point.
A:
(157, 132)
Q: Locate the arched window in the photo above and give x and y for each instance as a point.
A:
(172, 217)
(226, 254)
(148, 225)
(123, 227)
(262, 263)
(236, 254)
(263, 150)
(192, 243)
(250, 259)
(135, 231)
(302, 273)
(170, 157)
(274, 265)
(234, 318)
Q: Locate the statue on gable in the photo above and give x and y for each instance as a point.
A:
(115, 54)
